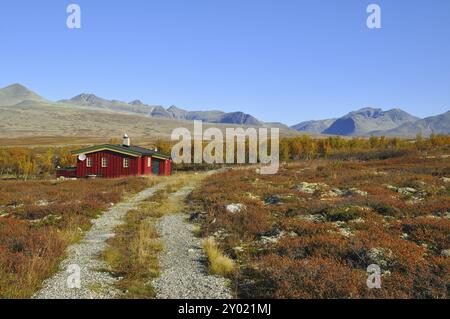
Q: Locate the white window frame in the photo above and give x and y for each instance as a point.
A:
(126, 162)
(149, 162)
(89, 162)
(104, 162)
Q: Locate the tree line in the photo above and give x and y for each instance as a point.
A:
(25, 163)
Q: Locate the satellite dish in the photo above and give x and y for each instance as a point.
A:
(82, 157)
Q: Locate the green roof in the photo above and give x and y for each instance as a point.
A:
(129, 150)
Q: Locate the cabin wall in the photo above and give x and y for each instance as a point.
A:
(115, 165)
(164, 166)
(146, 170)
(137, 165)
(66, 172)
(167, 168)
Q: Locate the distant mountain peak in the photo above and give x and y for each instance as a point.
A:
(361, 122)
(17, 87)
(174, 108)
(367, 112)
(136, 102)
(367, 120)
(86, 97)
(17, 93)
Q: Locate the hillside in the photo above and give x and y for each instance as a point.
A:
(367, 120)
(439, 124)
(17, 93)
(315, 127)
(371, 121)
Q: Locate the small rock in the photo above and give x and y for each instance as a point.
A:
(445, 253)
(336, 192)
(41, 203)
(251, 196)
(197, 216)
(235, 208)
(293, 234)
(446, 179)
(358, 220)
(346, 232)
(407, 191)
(272, 239)
(314, 218)
(309, 188)
(392, 188)
(359, 192)
(272, 200)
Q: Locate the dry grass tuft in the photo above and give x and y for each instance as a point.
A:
(219, 264)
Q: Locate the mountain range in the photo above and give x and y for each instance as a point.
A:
(375, 121)
(137, 107)
(21, 105)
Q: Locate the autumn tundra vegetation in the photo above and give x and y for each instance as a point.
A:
(336, 206)
(312, 230)
(40, 218)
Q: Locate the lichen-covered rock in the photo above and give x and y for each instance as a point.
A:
(310, 188)
(272, 239)
(313, 218)
(445, 253)
(356, 191)
(380, 256)
(407, 191)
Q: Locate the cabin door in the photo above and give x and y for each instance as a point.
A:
(155, 166)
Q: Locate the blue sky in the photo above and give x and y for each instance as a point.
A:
(280, 60)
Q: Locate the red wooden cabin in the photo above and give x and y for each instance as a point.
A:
(112, 161)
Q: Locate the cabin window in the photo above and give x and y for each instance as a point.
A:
(149, 162)
(126, 163)
(89, 162)
(104, 162)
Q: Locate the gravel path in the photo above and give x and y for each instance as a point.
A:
(95, 283)
(184, 274)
